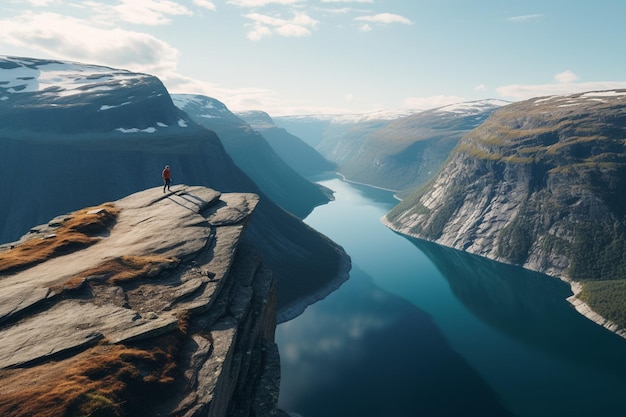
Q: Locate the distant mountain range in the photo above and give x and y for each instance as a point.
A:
(77, 135)
(299, 155)
(539, 183)
(251, 151)
(393, 150)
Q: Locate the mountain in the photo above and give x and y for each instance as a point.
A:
(252, 153)
(294, 151)
(407, 152)
(328, 132)
(540, 184)
(395, 150)
(104, 315)
(315, 128)
(75, 135)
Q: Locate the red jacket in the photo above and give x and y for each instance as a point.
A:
(166, 174)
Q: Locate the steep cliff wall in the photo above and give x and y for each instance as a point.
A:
(151, 305)
(407, 152)
(541, 184)
(252, 152)
(76, 135)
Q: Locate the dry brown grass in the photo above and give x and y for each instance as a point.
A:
(118, 270)
(128, 268)
(107, 380)
(77, 232)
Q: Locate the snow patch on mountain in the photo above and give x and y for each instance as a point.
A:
(65, 96)
(467, 108)
(471, 107)
(576, 99)
(213, 107)
(62, 79)
(386, 115)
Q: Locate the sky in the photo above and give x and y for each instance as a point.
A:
(289, 57)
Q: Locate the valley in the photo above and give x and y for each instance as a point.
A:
(518, 207)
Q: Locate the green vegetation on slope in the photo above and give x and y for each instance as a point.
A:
(559, 167)
(515, 241)
(598, 252)
(607, 298)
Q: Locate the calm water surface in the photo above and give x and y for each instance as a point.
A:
(422, 330)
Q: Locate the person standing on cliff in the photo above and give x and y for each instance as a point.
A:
(167, 178)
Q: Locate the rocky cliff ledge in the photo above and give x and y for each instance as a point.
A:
(151, 305)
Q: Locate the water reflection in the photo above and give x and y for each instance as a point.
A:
(528, 306)
(423, 330)
(365, 352)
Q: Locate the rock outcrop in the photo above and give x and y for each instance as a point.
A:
(151, 305)
(78, 134)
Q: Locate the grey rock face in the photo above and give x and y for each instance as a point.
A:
(74, 135)
(207, 287)
(540, 184)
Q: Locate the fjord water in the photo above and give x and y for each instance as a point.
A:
(423, 330)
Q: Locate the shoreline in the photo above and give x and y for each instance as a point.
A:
(576, 287)
(297, 308)
(395, 192)
(584, 309)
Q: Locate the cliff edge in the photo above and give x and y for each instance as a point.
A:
(149, 305)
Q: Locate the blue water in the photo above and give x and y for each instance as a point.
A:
(423, 330)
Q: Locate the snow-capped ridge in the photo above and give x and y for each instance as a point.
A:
(349, 118)
(73, 97)
(466, 107)
(582, 98)
(471, 107)
(22, 75)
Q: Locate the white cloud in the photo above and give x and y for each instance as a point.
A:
(347, 1)
(64, 37)
(525, 18)
(41, 3)
(480, 87)
(566, 77)
(259, 3)
(349, 97)
(149, 12)
(264, 26)
(423, 103)
(365, 27)
(343, 10)
(143, 12)
(206, 4)
(384, 18)
(259, 32)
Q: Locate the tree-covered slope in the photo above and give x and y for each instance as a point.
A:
(541, 184)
